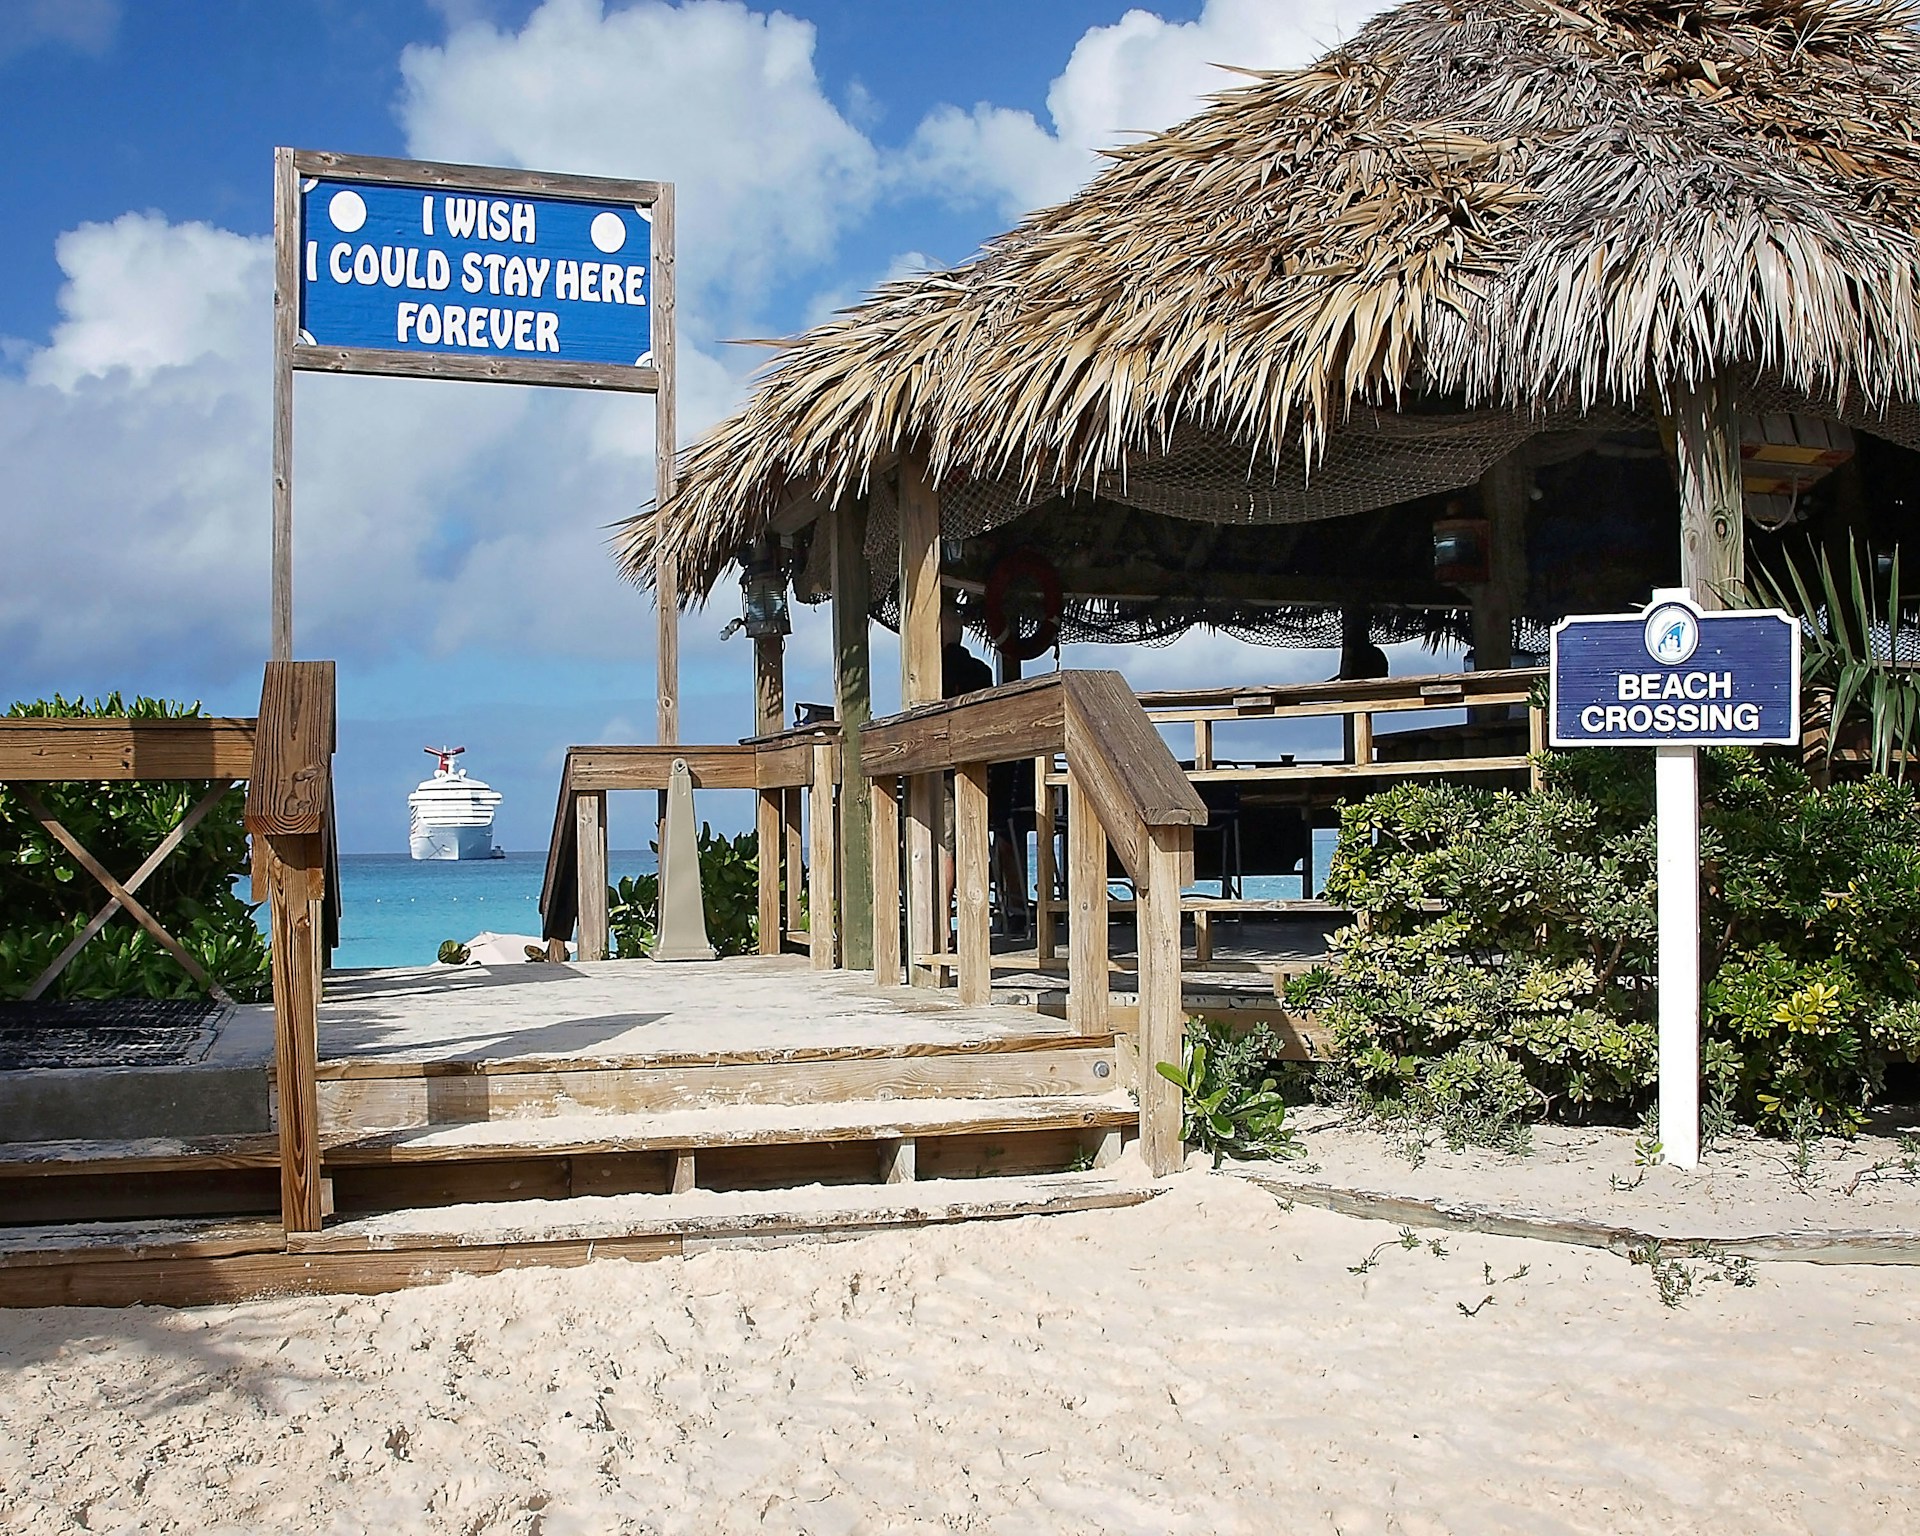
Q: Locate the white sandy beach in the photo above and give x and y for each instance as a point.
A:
(1206, 1362)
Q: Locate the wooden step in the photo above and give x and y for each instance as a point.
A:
(199, 1263)
(734, 1126)
(359, 1097)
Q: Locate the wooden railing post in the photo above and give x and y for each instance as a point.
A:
(1162, 1012)
(767, 830)
(822, 878)
(590, 864)
(1536, 744)
(791, 806)
(296, 886)
(886, 882)
(1046, 941)
(288, 799)
(1088, 984)
(1203, 921)
(923, 875)
(971, 876)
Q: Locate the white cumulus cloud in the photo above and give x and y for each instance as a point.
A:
(719, 99)
(1139, 75)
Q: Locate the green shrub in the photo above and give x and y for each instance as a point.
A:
(46, 898)
(1535, 980)
(730, 886)
(1230, 1103)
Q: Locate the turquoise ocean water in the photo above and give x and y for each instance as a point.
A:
(394, 911)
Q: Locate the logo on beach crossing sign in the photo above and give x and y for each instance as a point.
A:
(1673, 676)
(451, 271)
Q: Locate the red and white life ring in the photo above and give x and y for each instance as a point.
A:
(1024, 571)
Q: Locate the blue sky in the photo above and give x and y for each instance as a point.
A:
(450, 538)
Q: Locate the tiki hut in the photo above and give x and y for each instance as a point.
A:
(1524, 270)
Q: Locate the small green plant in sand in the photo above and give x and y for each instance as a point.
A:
(1675, 1279)
(1904, 1166)
(1409, 1241)
(1229, 1105)
(1489, 1280)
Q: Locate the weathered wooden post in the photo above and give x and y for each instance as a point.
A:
(971, 851)
(1088, 983)
(853, 699)
(920, 684)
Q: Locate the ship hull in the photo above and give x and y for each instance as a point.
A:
(453, 843)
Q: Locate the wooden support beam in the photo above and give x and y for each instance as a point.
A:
(590, 864)
(923, 876)
(769, 684)
(1087, 980)
(296, 885)
(1536, 745)
(1045, 928)
(286, 332)
(971, 844)
(886, 882)
(1504, 498)
(853, 697)
(666, 437)
(823, 876)
(685, 1173)
(1161, 1018)
(919, 584)
(1712, 493)
(767, 829)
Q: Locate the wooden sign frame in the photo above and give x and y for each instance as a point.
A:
(291, 355)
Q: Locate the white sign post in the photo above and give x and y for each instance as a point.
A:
(1676, 679)
(1676, 815)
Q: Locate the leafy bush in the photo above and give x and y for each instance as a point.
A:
(1506, 948)
(1230, 1107)
(729, 884)
(46, 899)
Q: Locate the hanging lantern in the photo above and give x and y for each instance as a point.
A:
(763, 596)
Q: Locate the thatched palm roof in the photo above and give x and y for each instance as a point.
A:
(1513, 206)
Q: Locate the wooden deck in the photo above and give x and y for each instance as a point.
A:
(504, 1112)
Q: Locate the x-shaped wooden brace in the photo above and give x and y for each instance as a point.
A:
(122, 895)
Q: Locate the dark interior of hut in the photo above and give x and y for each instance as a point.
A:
(1600, 519)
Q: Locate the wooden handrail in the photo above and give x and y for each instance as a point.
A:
(1377, 695)
(97, 750)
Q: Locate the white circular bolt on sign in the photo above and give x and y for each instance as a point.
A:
(348, 210)
(609, 232)
(1672, 634)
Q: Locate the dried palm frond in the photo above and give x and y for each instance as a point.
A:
(1524, 204)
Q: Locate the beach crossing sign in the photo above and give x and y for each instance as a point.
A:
(455, 272)
(1672, 676)
(1676, 679)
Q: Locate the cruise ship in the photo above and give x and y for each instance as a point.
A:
(452, 815)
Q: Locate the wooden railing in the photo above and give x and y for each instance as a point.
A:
(1125, 791)
(35, 752)
(285, 756)
(780, 768)
(1369, 759)
(296, 873)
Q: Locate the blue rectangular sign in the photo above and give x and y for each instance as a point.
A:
(471, 274)
(1674, 676)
